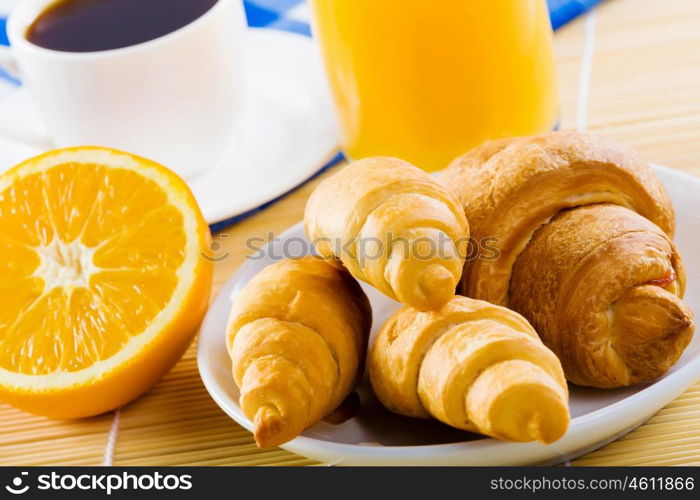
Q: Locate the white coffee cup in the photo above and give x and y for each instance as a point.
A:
(173, 99)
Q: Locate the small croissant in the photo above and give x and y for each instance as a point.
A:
(393, 226)
(474, 366)
(297, 337)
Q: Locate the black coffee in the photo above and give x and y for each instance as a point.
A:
(93, 25)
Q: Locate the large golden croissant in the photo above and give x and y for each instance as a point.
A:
(392, 226)
(297, 336)
(527, 193)
(602, 284)
(474, 366)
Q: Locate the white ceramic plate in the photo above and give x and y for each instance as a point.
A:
(377, 437)
(286, 130)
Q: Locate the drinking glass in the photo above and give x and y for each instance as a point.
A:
(428, 80)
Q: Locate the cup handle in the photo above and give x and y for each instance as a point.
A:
(8, 63)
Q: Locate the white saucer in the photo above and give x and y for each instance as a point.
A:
(286, 133)
(377, 437)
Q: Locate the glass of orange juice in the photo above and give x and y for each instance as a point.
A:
(428, 80)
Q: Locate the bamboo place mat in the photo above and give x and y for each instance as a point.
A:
(629, 70)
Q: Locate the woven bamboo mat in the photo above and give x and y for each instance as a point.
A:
(628, 71)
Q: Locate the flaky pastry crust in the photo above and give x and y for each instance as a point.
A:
(472, 365)
(393, 226)
(584, 230)
(297, 336)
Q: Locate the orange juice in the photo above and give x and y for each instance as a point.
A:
(427, 80)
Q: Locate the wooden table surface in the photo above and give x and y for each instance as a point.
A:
(630, 70)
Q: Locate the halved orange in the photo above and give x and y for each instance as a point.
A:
(103, 279)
